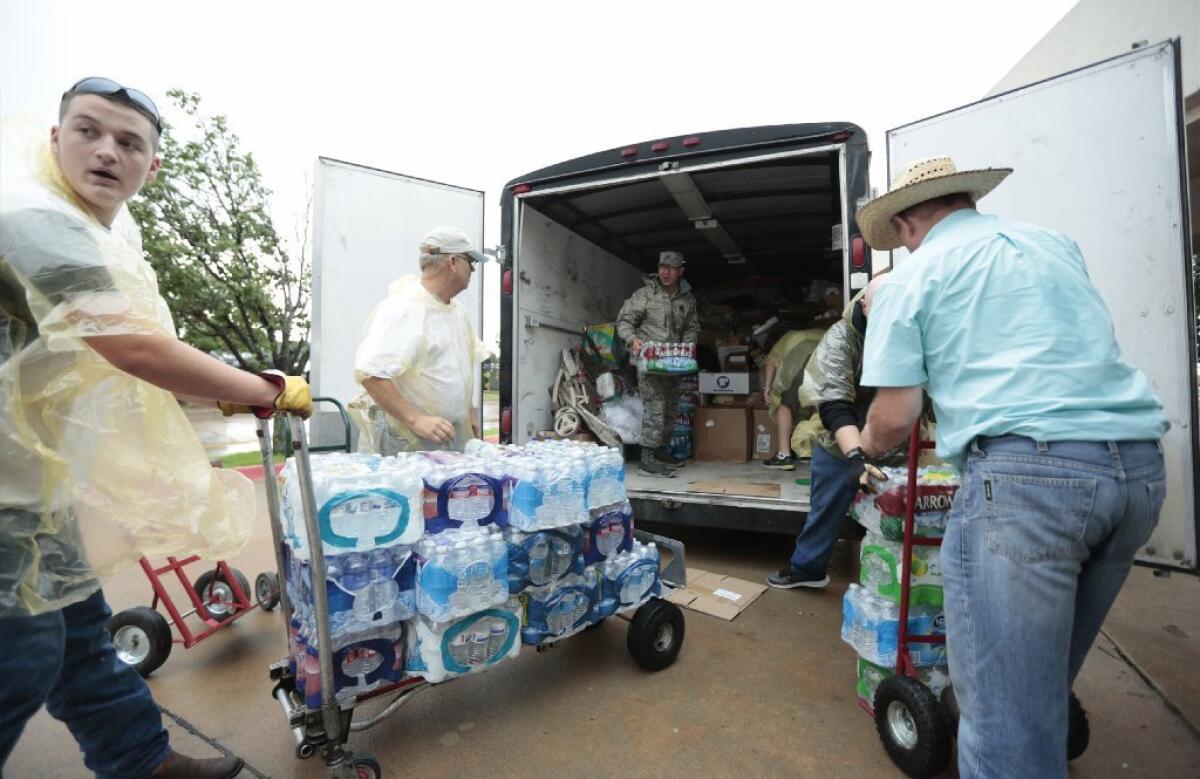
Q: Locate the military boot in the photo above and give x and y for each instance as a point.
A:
(650, 466)
(664, 456)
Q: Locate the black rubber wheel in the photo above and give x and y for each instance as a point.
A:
(141, 637)
(266, 590)
(367, 768)
(913, 726)
(1079, 733)
(656, 634)
(211, 586)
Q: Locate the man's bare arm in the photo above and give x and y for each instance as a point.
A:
(178, 368)
(891, 418)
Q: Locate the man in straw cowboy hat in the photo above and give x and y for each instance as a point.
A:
(1055, 434)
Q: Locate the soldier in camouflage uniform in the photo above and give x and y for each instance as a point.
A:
(831, 384)
(663, 311)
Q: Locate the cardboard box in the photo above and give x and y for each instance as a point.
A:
(763, 443)
(721, 435)
(736, 363)
(712, 593)
(724, 383)
(724, 353)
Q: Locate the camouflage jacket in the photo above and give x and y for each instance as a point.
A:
(833, 373)
(653, 315)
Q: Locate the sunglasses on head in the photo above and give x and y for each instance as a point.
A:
(97, 85)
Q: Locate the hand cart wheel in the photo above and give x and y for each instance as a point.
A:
(367, 767)
(913, 726)
(217, 596)
(1079, 732)
(656, 634)
(141, 637)
(266, 590)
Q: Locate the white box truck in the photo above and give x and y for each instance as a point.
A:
(1098, 154)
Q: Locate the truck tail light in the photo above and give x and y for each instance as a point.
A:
(506, 421)
(629, 152)
(858, 252)
(660, 146)
(521, 189)
(690, 142)
(506, 282)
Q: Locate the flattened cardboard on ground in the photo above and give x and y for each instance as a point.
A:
(715, 594)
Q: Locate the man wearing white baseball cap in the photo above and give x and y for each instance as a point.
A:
(1055, 434)
(418, 356)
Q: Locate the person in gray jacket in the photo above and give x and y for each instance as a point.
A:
(664, 310)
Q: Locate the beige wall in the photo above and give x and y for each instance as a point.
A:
(1098, 29)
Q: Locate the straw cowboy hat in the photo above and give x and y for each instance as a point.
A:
(920, 181)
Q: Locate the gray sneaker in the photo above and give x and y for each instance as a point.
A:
(652, 467)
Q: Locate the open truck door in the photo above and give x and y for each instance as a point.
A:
(1099, 154)
(367, 225)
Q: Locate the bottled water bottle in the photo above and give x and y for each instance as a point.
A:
(479, 645)
(497, 633)
(465, 571)
(538, 558)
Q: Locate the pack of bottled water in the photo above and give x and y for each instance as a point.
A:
(880, 571)
(871, 625)
(606, 477)
(443, 650)
(870, 676)
(608, 532)
(629, 579)
(557, 610)
(543, 556)
(460, 572)
(548, 484)
(363, 502)
(362, 589)
(883, 513)
(460, 490)
(362, 662)
(670, 358)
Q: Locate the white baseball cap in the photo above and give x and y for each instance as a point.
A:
(450, 240)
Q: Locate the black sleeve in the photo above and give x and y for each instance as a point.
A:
(836, 414)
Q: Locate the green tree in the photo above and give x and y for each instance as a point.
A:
(235, 288)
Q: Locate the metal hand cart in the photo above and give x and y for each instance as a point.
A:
(219, 596)
(917, 728)
(656, 629)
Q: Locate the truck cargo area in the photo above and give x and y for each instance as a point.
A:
(763, 234)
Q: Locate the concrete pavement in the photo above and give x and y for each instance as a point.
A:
(770, 694)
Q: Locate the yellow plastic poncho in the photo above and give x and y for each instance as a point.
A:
(429, 351)
(789, 354)
(97, 468)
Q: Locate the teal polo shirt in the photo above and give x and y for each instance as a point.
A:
(1001, 324)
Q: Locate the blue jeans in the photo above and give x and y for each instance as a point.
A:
(1040, 539)
(66, 660)
(829, 500)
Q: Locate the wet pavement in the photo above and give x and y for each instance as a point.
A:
(769, 694)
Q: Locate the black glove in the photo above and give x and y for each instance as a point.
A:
(862, 473)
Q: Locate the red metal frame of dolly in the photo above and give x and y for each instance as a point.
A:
(241, 600)
(904, 664)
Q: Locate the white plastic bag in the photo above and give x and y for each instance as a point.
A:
(624, 414)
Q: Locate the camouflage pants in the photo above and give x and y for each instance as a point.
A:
(660, 396)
